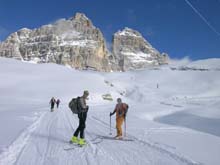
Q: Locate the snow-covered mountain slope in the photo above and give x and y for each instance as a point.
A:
(173, 117)
(202, 65)
(209, 64)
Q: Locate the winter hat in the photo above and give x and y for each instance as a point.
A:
(86, 92)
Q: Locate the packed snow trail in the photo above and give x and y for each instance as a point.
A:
(27, 139)
(45, 145)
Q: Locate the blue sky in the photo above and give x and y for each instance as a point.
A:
(171, 26)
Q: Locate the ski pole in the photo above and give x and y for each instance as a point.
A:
(110, 124)
(125, 127)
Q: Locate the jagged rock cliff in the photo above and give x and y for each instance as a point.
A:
(132, 51)
(78, 43)
(75, 42)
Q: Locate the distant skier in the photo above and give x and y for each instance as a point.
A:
(82, 115)
(52, 103)
(58, 103)
(121, 111)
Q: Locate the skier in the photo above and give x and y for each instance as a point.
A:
(52, 103)
(58, 103)
(121, 111)
(83, 108)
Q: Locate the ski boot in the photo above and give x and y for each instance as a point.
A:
(118, 137)
(74, 140)
(81, 142)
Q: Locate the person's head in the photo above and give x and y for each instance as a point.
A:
(119, 100)
(85, 94)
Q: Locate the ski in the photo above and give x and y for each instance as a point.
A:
(72, 146)
(125, 139)
(113, 138)
(67, 148)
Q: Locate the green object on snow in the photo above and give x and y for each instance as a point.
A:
(107, 97)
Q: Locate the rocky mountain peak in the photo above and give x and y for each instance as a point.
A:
(74, 42)
(80, 16)
(82, 19)
(128, 32)
(134, 52)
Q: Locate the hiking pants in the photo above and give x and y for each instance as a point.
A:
(119, 122)
(82, 125)
(52, 107)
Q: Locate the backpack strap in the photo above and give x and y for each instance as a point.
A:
(78, 104)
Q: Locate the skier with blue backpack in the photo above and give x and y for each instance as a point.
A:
(78, 106)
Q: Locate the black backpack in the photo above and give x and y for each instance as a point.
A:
(74, 105)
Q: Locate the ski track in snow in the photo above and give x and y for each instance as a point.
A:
(44, 141)
(157, 146)
(9, 155)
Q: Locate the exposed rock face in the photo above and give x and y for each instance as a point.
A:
(78, 43)
(132, 51)
(75, 42)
